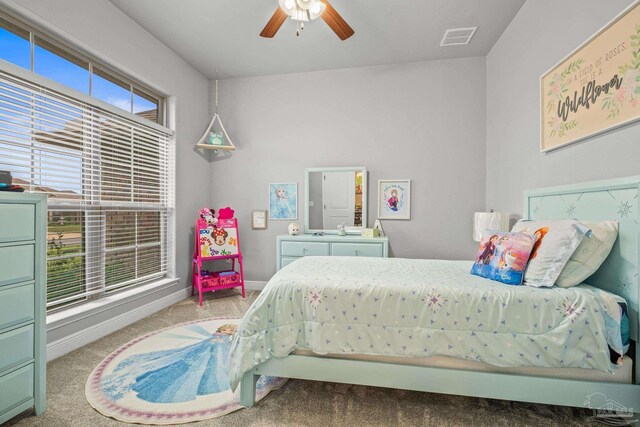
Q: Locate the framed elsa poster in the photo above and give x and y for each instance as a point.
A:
(283, 200)
(596, 88)
(394, 199)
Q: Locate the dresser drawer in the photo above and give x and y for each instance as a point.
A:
(17, 222)
(16, 264)
(356, 249)
(286, 261)
(305, 248)
(16, 347)
(16, 388)
(16, 305)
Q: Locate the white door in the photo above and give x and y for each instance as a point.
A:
(339, 199)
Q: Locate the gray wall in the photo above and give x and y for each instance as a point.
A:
(542, 33)
(100, 28)
(423, 121)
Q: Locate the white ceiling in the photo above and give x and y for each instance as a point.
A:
(222, 35)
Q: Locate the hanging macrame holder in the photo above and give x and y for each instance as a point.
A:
(203, 143)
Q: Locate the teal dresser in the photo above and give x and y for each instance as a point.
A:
(22, 303)
(290, 248)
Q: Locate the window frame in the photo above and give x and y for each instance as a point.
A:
(93, 245)
(73, 54)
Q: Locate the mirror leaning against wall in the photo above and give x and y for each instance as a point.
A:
(334, 196)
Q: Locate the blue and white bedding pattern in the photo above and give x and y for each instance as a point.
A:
(420, 308)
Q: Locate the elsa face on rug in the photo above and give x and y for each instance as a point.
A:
(228, 329)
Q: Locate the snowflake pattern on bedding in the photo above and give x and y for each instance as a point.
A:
(315, 298)
(570, 310)
(434, 301)
(421, 308)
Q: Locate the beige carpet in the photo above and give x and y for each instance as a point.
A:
(298, 403)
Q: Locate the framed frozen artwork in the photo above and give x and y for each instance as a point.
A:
(283, 201)
(394, 199)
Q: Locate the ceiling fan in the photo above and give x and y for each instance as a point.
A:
(304, 11)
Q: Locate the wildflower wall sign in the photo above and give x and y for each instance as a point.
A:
(595, 88)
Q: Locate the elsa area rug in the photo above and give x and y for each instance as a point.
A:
(172, 376)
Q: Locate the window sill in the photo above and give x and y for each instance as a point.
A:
(83, 311)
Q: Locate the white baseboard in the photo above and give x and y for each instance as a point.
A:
(254, 285)
(94, 332)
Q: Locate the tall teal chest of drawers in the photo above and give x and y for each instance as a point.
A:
(22, 303)
(290, 248)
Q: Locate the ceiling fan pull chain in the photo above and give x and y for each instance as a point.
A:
(216, 92)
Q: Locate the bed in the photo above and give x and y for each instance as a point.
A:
(429, 326)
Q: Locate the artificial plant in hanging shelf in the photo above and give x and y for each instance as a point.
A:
(213, 140)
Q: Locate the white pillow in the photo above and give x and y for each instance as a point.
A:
(591, 253)
(556, 242)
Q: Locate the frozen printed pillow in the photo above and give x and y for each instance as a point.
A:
(590, 254)
(556, 241)
(503, 256)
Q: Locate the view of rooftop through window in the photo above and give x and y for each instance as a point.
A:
(61, 65)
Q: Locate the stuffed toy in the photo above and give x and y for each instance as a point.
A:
(207, 216)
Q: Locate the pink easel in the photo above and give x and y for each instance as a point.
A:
(216, 239)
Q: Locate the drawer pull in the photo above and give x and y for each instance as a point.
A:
(357, 252)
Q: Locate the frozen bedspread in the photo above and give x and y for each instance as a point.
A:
(419, 308)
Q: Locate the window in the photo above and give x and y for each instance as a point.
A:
(15, 45)
(54, 63)
(111, 90)
(65, 256)
(62, 64)
(107, 173)
(145, 105)
(110, 187)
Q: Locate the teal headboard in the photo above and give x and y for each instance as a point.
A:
(615, 199)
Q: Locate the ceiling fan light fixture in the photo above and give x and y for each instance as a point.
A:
(317, 9)
(303, 11)
(288, 6)
(305, 4)
(300, 15)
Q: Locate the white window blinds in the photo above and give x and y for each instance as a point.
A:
(109, 178)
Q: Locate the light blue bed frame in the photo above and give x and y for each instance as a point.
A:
(605, 200)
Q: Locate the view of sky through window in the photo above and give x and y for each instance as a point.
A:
(15, 49)
(57, 64)
(54, 67)
(141, 104)
(111, 93)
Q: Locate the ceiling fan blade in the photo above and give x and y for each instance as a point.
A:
(336, 22)
(274, 24)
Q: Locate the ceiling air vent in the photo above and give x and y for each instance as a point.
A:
(458, 36)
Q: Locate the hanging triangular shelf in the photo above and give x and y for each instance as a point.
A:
(203, 143)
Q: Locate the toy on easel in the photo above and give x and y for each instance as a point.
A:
(216, 239)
